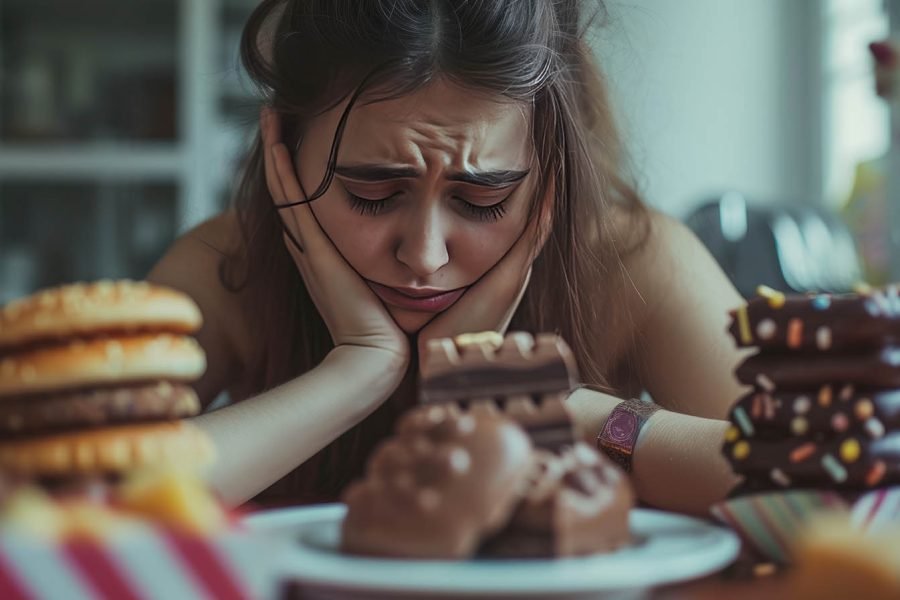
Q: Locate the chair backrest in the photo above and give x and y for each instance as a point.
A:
(794, 248)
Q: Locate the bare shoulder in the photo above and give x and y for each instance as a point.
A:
(682, 298)
(663, 255)
(192, 265)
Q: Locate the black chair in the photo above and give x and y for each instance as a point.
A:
(794, 248)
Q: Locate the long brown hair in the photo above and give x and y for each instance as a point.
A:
(307, 56)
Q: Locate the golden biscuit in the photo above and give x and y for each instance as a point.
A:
(83, 309)
(108, 450)
(101, 361)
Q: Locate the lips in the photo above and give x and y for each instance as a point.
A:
(430, 304)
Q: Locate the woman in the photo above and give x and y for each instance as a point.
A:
(424, 169)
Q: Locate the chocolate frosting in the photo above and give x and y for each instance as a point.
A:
(819, 412)
(818, 322)
(879, 368)
(445, 481)
(852, 461)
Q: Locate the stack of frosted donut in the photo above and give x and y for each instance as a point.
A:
(93, 381)
(824, 411)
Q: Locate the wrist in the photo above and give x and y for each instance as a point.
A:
(624, 431)
(376, 367)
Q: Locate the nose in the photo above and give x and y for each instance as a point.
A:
(422, 244)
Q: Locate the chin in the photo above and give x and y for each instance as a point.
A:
(410, 321)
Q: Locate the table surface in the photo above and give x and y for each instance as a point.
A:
(770, 588)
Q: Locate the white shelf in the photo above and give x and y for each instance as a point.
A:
(91, 161)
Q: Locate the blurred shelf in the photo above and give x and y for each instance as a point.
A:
(91, 161)
(122, 124)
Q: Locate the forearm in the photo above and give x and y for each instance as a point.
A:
(261, 439)
(677, 463)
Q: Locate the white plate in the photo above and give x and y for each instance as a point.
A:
(669, 548)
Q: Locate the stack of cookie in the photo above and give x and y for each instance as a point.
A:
(94, 379)
(490, 465)
(824, 412)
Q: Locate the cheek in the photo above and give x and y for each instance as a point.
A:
(362, 241)
(480, 246)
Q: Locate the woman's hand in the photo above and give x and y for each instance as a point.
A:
(355, 317)
(490, 303)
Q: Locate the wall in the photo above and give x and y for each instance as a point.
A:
(716, 95)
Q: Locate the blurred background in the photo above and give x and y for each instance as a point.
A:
(757, 123)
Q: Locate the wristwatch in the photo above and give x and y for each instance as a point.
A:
(619, 435)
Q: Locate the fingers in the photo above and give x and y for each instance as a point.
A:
(284, 170)
(285, 187)
(268, 126)
(295, 252)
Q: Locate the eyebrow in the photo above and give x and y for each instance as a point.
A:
(385, 173)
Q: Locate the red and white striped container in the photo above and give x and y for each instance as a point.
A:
(772, 522)
(140, 562)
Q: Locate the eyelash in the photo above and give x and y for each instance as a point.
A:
(371, 208)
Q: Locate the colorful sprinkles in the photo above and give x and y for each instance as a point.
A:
(840, 422)
(756, 406)
(876, 473)
(799, 426)
(743, 421)
(874, 428)
(825, 394)
(864, 409)
(821, 302)
(776, 299)
(823, 338)
(834, 469)
(801, 453)
(732, 434)
(850, 450)
(795, 333)
(802, 404)
(765, 382)
(741, 450)
(744, 325)
(766, 329)
(780, 478)
(769, 406)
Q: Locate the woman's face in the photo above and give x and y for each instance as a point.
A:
(430, 191)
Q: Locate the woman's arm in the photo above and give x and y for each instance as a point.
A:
(261, 439)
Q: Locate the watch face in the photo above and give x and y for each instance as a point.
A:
(621, 427)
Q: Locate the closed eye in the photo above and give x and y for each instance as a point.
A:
(492, 212)
(374, 206)
(370, 206)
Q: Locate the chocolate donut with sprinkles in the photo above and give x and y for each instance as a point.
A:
(818, 322)
(851, 462)
(878, 368)
(819, 413)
